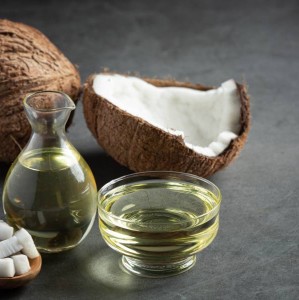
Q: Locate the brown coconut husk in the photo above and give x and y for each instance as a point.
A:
(140, 146)
(28, 62)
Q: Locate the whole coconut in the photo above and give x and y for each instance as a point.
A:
(28, 62)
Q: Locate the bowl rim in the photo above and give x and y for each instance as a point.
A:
(156, 173)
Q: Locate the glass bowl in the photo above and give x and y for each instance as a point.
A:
(158, 220)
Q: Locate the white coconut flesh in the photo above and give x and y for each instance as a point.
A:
(207, 120)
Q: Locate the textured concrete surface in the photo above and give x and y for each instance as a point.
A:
(255, 255)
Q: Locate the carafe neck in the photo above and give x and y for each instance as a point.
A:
(48, 112)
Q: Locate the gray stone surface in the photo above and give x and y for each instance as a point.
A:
(255, 255)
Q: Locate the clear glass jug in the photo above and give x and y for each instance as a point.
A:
(49, 189)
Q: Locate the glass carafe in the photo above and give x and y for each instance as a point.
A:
(50, 190)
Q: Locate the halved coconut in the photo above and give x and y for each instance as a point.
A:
(155, 124)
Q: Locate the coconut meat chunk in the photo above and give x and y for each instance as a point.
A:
(206, 120)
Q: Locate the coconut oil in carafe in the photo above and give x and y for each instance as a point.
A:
(50, 195)
(50, 190)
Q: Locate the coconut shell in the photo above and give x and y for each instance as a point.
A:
(141, 146)
(28, 62)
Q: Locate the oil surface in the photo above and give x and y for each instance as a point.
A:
(159, 221)
(52, 194)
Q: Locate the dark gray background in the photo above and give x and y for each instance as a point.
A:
(255, 255)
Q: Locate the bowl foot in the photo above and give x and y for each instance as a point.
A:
(156, 269)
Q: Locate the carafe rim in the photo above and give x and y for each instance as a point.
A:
(70, 103)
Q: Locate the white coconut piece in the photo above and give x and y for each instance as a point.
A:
(7, 268)
(9, 247)
(25, 239)
(6, 231)
(21, 264)
(207, 120)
